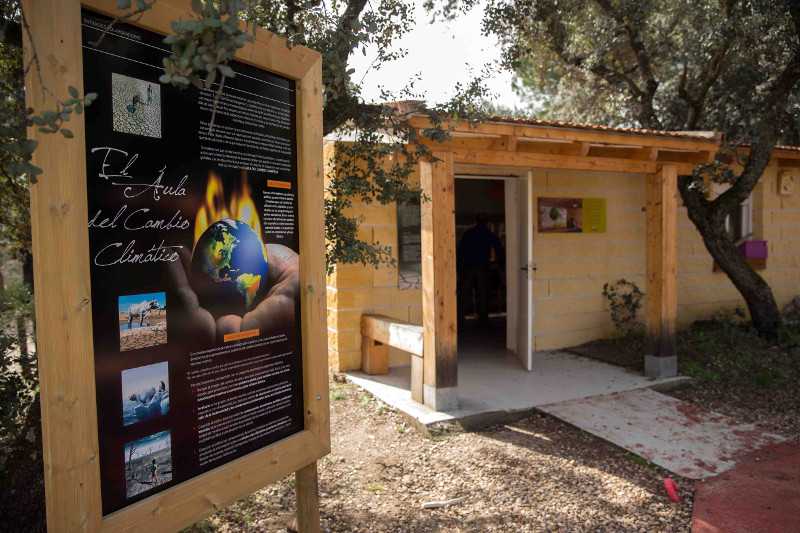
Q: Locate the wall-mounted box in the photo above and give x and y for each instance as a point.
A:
(754, 251)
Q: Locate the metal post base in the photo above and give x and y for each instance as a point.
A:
(660, 367)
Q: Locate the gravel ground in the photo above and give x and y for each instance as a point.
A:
(776, 410)
(535, 475)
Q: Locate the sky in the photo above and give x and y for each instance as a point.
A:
(443, 53)
(126, 301)
(156, 441)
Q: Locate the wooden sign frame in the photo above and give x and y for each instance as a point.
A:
(63, 296)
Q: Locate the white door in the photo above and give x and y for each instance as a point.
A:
(525, 272)
(512, 261)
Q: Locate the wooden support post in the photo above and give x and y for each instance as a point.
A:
(374, 356)
(661, 300)
(307, 491)
(63, 297)
(440, 358)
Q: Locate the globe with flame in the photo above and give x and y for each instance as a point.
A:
(229, 268)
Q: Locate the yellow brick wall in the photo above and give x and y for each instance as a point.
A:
(572, 268)
(354, 289)
(569, 308)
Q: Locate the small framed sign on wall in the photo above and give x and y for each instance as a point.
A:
(572, 215)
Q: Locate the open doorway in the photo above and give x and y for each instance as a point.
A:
(481, 251)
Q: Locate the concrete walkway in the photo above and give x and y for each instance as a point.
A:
(493, 387)
(671, 433)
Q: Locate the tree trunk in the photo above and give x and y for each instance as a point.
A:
(755, 291)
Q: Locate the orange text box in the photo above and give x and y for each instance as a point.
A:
(279, 184)
(241, 335)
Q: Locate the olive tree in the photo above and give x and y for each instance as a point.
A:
(729, 65)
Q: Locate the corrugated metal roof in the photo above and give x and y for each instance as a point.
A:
(694, 135)
(412, 108)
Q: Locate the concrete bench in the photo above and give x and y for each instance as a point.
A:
(378, 332)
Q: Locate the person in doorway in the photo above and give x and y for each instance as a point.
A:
(473, 259)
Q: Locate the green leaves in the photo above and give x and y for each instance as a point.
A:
(227, 71)
(24, 167)
(48, 121)
(202, 47)
(624, 299)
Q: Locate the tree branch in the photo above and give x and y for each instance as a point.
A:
(776, 98)
(344, 106)
(120, 18)
(647, 113)
(697, 102)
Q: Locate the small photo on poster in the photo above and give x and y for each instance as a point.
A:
(137, 106)
(142, 320)
(145, 393)
(148, 463)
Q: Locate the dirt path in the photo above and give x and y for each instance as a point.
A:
(535, 475)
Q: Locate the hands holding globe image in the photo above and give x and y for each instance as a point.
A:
(229, 268)
(228, 286)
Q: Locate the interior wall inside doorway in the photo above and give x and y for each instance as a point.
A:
(474, 196)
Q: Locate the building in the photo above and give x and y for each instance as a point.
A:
(577, 206)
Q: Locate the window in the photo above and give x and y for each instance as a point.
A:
(740, 222)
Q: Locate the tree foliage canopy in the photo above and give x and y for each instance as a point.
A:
(729, 65)
(658, 64)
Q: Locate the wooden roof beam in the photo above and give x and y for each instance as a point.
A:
(552, 161)
(698, 157)
(788, 163)
(572, 134)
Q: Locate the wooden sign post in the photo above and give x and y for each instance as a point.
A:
(97, 342)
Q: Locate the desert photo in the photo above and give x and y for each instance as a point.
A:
(142, 321)
(148, 463)
(137, 106)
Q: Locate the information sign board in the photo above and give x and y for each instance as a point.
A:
(194, 264)
(192, 244)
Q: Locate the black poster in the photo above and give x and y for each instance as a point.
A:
(409, 240)
(193, 238)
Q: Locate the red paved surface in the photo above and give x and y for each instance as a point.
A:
(761, 493)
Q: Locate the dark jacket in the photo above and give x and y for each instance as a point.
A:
(475, 248)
